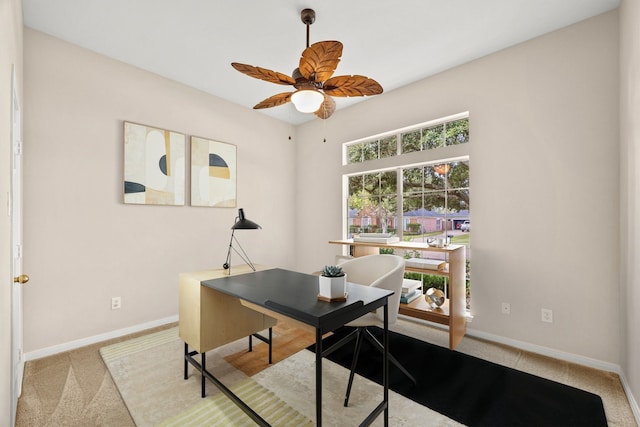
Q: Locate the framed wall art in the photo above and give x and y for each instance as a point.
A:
(154, 166)
(213, 173)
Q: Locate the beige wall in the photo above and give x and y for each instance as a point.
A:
(82, 244)
(544, 183)
(629, 178)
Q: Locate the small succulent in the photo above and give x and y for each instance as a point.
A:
(332, 271)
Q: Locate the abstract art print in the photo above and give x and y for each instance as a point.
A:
(213, 173)
(154, 166)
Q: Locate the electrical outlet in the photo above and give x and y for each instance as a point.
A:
(506, 308)
(547, 315)
(116, 303)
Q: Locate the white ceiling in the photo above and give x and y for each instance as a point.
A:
(393, 42)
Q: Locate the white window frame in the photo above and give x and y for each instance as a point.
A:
(445, 154)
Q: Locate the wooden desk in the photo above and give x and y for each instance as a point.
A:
(294, 295)
(209, 319)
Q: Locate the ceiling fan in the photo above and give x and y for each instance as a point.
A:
(312, 79)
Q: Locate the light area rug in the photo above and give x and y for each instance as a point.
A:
(148, 372)
(221, 411)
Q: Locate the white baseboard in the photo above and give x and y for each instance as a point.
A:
(72, 345)
(546, 351)
(632, 400)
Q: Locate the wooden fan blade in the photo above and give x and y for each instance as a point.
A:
(351, 86)
(327, 107)
(263, 74)
(320, 60)
(274, 101)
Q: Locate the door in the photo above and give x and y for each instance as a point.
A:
(17, 362)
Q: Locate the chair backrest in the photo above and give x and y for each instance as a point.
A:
(381, 271)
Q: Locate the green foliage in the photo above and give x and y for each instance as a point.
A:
(414, 227)
(411, 254)
(461, 239)
(450, 133)
(412, 275)
(332, 271)
(386, 251)
(428, 280)
(457, 132)
(425, 188)
(437, 282)
(411, 141)
(354, 229)
(388, 146)
(432, 137)
(354, 153)
(372, 150)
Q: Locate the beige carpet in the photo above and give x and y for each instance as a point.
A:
(72, 388)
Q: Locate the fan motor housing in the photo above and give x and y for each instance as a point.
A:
(308, 16)
(303, 83)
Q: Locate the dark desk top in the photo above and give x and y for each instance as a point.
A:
(295, 295)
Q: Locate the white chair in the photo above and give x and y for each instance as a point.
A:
(380, 271)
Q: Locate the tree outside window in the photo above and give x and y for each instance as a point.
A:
(434, 197)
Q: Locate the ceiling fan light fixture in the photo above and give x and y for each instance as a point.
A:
(313, 78)
(307, 100)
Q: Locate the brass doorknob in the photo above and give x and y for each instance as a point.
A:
(23, 278)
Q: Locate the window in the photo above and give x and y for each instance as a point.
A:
(435, 134)
(373, 202)
(416, 201)
(374, 149)
(435, 199)
(441, 135)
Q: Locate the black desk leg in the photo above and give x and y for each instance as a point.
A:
(270, 345)
(203, 369)
(385, 368)
(318, 378)
(186, 361)
(188, 358)
(263, 339)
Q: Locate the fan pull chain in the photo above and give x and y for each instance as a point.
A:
(324, 131)
(291, 113)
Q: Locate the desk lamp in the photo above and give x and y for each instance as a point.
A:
(241, 223)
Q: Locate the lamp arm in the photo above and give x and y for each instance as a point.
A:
(227, 264)
(242, 255)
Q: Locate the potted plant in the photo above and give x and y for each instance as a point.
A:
(333, 282)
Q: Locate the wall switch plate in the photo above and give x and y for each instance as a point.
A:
(116, 303)
(547, 315)
(506, 308)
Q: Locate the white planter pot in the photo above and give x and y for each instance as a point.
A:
(332, 287)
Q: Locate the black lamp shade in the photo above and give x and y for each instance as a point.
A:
(244, 224)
